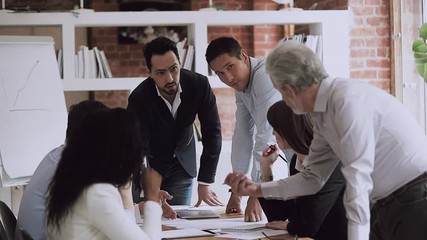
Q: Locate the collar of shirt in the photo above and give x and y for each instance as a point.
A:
(176, 102)
(299, 165)
(253, 62)
(323, 94)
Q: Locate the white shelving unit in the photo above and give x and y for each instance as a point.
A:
(331, 24)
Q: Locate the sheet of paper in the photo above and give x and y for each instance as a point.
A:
(193, 213)
(181, 233)
(254, 234)
(207, 223)
(244, 228)
(202, 207)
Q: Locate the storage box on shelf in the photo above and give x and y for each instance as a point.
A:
(332, 25)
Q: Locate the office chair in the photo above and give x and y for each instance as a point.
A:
(8, 222)
(21, 234)
(3, 235)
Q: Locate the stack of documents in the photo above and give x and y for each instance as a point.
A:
(185, 233)
(196, 214)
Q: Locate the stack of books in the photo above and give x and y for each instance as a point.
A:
(314, 42)
(186, 53)
(89, 63)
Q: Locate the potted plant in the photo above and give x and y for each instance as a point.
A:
(419, 47)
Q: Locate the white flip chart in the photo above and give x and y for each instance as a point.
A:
(33, 114)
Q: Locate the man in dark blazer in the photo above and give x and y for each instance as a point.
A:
(166, 104)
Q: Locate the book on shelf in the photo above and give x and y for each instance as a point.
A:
(99, 65)
(86, 61)
(80, 64)
(59, 60)
(91, 63)
(182, 49)
(185, 53)
(76, 65)
(189, 56)
(319, 48)
(314, 42)
(105, 66)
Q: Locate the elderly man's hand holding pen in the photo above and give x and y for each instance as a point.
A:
(242, 185)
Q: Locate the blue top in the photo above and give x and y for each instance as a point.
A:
(31, 215)
(251, 120)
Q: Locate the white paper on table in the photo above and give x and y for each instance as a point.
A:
(182, 233)
(244, 228)
(204, 224)
(253, 234)
(202, 207)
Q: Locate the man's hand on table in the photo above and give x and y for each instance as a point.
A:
(233, 205)
(208, 196)
(253, 212)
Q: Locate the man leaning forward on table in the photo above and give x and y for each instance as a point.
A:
(381, 146)
(166, 105)
(254, 94)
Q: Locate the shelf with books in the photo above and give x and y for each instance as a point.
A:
(101, 84)
(332, 25)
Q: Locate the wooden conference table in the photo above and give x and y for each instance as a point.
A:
(223, 215)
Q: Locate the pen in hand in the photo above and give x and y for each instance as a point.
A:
(273, 149)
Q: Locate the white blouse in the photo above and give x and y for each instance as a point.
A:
(99, 214)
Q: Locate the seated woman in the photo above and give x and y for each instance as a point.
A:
(319, 216)
(90, 194)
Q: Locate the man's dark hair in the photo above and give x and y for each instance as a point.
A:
(223, 45)
(159, 46)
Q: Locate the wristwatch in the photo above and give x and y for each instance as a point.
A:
(266, 178)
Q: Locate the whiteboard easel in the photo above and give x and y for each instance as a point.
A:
(33, 115)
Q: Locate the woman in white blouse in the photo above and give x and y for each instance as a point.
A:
(90, 193)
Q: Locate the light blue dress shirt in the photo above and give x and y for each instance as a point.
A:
(31, 215)
(252, 131)
(380, 145)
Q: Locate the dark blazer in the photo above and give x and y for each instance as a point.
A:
(163, 136)
(319, 216)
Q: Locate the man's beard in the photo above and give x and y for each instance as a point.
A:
(170, 90)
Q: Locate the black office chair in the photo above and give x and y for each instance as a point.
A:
(21, 234)
(3, 235)
(9, 222)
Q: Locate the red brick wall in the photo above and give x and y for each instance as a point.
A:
(56, 5)
(370, 42)
(125, 60)
(369, 45)
(369, 38)
(256, 40)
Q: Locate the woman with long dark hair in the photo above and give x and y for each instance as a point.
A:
(319, 216)
(90, 193)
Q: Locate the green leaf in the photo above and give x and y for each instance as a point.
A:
(418, 55)
(425, 73)
(419, 46)
(422, 70)
(423, 31)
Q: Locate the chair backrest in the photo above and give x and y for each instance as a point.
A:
(9, 220)
(21, 234)
(3, 235)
